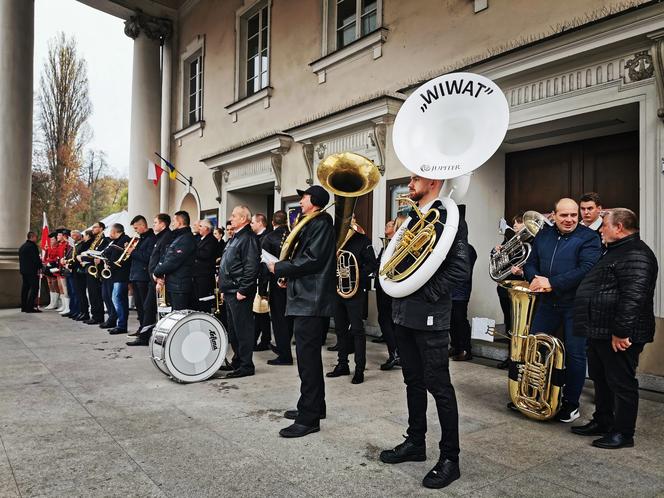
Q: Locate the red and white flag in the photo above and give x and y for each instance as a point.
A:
(154, 172)
(44, 236)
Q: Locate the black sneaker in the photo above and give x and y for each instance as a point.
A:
(444, 473)
(405, 452)
(568, 413)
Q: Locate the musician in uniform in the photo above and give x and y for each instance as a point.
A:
(51, 267)
(29, 265)
(106, 287)
(119, 277)
(384, 308)
(348, 323)
(204, 267)
(311, 290)
(238, 272)
(262, 329)
(93, 284)
(174, 268)
(73, 304)
(138, 265)
(422, 331)
(79, 274)
(613, 308)
(282, 325)
(561, 256)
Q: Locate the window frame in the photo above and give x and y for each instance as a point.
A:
(243, 16)
(187, 111)
(330, 29)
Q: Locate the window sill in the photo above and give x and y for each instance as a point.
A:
(371, 42)
(263, 95)
(196, 127)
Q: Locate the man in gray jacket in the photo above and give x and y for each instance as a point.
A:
(422, 322)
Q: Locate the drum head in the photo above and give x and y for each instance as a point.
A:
(195, 347)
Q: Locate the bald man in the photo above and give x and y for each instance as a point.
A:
(562, 254)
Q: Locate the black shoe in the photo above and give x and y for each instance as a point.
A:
(613, 441)
(107, 325)
(358, 378)
(82, 317)
(503, 365)
(33, 310)
(333, 348)
(298, 430)
(279, 361)
(67, 315)
(117, 331)
(444, 473)
(592, 428)
(405, 452)
(274, 349)
(141, 340)
(462, 356)
(292, 415)
(261, 347)
(378, 340)
(338, 371)
(91, 321)
(568, 413)
(227, 367)
(136, 333)
(392, 361)
(235, 374)
(512, 406)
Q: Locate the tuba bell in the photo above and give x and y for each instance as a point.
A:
(515, 251)
(537, 361)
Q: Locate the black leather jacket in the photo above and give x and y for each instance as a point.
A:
(140, 257)
(177, 262)
(430, 307)
(311, 271)
(616, 296)
(238, 270)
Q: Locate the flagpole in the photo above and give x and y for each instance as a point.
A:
(187, 182)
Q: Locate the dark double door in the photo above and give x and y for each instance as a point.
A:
(536, 178)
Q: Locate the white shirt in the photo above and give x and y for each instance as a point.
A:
(595, 224)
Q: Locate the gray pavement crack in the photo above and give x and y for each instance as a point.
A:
(11, 467)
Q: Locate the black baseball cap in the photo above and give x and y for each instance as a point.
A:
(319, 196)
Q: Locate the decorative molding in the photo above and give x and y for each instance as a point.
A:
(378, 138)
(227, 175)
(308, 155)
(278, 141)
(263, 95)
(371, 42)
(196, 127)
(155, 28)
(657, 54)
(320, 150)
(217, 178)
(276, 158)
(640, 66)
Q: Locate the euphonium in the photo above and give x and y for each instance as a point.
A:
(515, 251)
(537, 361)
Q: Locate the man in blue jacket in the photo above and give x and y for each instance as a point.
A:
(562, 255)
(138, 273)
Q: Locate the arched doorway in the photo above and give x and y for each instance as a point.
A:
(190, 205)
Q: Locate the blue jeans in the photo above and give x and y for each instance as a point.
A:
(121, 303)
(107, 296)
(548, 318)
(73, 297)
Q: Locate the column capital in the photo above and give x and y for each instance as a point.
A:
(155, 28)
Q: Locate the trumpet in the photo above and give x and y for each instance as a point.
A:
(131, 245)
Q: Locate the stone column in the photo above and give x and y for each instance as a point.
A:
(16, 60)
(166, 78)
(148, 34)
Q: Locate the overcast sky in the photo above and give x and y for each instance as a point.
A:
(108, 52)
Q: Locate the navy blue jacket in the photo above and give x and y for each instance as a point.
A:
(113, 251)
(177, 262)
(140, 257)
(564, 259)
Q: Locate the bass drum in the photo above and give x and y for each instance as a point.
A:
(188, 346)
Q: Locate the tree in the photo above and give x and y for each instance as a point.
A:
(64, 107)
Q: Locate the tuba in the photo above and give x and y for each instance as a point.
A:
(348, 176)
(448, 127)
(537, 361)
(515, 252)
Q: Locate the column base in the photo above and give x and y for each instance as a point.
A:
(10, 290)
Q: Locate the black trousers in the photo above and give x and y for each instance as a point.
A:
(203, 287)
(349, 328)
(178, 300)
(140, 294)
(80, 285)
(460, 327)
(96, 302)
(262, 328)
(240, 331)
(384, 306)
(107, 296)
(150, 305)
(308, 336)
(425, 367)
(282, 325)
(29, 291)
(616, 386)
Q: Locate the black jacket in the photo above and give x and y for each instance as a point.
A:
(360, 245)
(238, 271)
(463, 292)
(177, 262)
(140, 257)
(28, 258)
(113, 251)
(163, 240)
(311, 271)
(271, 243)
(616, 296)
(81, 247)
(430, 307)
(206, 256)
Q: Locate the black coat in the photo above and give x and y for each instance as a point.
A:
(430, 307)
(616, 296)
(177, 262)
(113, 251)
(271, 243)
(81, 247)
(360, 245)
(206, 256)
(311, 271)
(163, 240)
(28, 258)
(238, 271)
(140, 257)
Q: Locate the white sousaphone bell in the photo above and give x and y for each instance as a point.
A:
(447, 128)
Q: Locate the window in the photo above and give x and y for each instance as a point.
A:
(354, 19)
(256, 50)
(195, 90)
